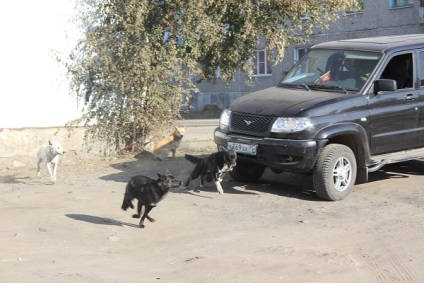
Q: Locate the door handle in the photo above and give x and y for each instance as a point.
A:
(411, 96)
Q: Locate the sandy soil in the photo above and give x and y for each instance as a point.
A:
(272, 231)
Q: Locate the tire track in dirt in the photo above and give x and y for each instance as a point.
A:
(399, 272)
(403, 273)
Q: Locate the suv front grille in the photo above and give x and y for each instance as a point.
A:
(250, 124)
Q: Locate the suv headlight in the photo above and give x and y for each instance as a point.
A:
(224, 120)
(290, 125)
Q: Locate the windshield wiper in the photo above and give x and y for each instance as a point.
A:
(296, 85)
(329, 87)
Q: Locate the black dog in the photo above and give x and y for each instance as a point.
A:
(148, 192)
(212, 167)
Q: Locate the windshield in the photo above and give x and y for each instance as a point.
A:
(335, 69)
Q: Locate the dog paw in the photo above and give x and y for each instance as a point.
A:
(136, 216)
(141, 225)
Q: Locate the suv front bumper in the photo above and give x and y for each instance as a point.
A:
(280, 154)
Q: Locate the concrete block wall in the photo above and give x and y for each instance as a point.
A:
(19, 147)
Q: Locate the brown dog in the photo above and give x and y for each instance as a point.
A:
(169, 144)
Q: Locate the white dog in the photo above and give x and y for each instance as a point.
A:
(49, 154)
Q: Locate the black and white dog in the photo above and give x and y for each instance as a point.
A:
(148, 192)
(212, 167)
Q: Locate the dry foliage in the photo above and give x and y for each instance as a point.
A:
(139, 60)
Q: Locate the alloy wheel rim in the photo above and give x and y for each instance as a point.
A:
(342, 174)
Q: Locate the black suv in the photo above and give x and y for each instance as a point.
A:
(347, 108)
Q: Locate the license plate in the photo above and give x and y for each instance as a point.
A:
(243, 148)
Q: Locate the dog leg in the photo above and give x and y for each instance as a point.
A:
(173, 150)
(148, 208)
(39, 167)
(139, 206)
(202, 181)
(188, 181)
(217, 180)
(49, 171)
(54, 171)
(218, 187)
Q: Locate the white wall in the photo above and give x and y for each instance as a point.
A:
(33, 90)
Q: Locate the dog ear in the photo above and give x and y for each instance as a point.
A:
(161, 176)
(50, 142)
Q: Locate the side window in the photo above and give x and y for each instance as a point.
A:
(421, 68)
(400, 69)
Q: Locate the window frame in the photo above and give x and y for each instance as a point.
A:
(420, 67)
(393, 4)
(296, 56)
(254, 60)
(361, 7)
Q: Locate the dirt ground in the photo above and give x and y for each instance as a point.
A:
(272, 231)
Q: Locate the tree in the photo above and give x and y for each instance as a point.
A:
(140, 59)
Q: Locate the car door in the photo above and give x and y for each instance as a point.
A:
(420, 67)
(395, 115)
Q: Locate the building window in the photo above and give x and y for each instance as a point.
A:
(262, 64)
(299, 52)
(421, 11)
(400, 3)
(304, 17)
(358, 8)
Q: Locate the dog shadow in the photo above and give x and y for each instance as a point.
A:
(10, 179)
(227, 187)
(144, 164)
(98, 220)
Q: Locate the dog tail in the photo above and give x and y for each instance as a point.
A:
(193, 159)
(127, 198)
(126, 204)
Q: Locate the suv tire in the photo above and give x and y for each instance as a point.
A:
(335, 172)
(246, 171)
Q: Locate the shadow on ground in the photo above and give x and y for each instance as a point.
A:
(11, 179)
(145, 164)
(398, 170)
(98, 220)
(285, 184)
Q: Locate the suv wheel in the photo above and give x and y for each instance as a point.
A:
(335, 172)
(246, 171)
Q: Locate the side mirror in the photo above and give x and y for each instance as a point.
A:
(384, 85)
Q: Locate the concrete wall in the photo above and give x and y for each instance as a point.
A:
(19, 147)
